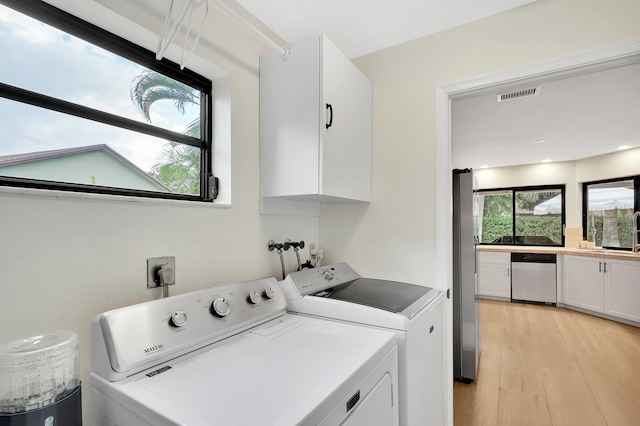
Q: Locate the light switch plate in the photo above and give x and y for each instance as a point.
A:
(156, 262)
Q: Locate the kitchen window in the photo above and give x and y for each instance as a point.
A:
(84, 110)
(521, 216)
(607, 211)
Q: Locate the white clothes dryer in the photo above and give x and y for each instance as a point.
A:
(414, 313)
(230, 355)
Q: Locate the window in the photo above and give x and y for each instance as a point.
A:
(522, 216)
(497, 215)
(84, 110)
(607, 211)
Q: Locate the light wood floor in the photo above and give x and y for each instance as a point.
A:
(542, 365)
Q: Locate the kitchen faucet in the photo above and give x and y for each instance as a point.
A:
(636, 246)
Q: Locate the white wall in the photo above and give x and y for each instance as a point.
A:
(571, 173)
(65, 259)
(615, 165)
(538, 174)
(395, 236)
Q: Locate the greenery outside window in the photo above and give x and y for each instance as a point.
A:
(521, 216)
(607, 211)
(84, 110)
(496, 215)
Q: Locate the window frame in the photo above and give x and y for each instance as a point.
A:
(77, 27)
(585, 207)
(516, 189)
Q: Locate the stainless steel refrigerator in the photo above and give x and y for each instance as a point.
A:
(466, 307)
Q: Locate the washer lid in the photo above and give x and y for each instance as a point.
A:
(341, 283)
(392, 296)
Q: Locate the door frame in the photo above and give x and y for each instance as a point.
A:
(616, 54)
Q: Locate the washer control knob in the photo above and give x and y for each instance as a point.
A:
(268, 293)
(253, 298)
(327, 275)
(220, 307)
(178, 319)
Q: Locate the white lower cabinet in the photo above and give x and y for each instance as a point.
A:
(622, 286)
(584, 282)
(609, 286)
(597, 284)
(494, 275)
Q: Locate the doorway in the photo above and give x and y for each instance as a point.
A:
(581, 62)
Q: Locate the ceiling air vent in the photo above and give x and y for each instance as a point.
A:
(518, 94)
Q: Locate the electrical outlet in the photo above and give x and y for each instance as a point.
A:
(154, 263)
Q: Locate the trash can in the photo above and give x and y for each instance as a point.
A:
(39, 380)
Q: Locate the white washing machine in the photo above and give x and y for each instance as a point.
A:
(414, 313)
(230, 355)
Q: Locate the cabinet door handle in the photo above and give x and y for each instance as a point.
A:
(605, 267)
(330, 113)
(599, 266)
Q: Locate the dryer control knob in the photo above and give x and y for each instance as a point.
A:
(268, 293)
(253, 298)
(220, 307)
(178, 319)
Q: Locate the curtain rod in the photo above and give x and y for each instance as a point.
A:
(284, 52)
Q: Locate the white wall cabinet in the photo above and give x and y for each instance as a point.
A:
(494, 275)
(584, 282)
(622, 286)
(315, 125)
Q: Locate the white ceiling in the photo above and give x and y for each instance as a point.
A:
(577, 116)
(359, 27)
(571, 118)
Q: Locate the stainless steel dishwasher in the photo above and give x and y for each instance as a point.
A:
(533, 277)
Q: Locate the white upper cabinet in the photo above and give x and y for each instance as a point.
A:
(315, 125)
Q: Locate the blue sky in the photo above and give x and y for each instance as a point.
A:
(39, 58)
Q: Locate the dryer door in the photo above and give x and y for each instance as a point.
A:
(375, 409)
(373, 401)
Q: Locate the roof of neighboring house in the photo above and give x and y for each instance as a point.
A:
(28, 157)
